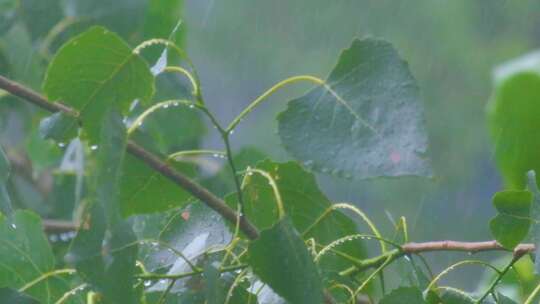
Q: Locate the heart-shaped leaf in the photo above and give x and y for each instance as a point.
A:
(108, 74)
(367, 122)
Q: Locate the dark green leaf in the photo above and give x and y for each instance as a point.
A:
(512, 114)
(402, 295)
(144, 190)
(304, 203)
(8, 295)
(288, 268)
(111, 153)
(376, 126)
(215, 289)
(58, 127)
(512, 222)
(108, 74)
(107, 261)
(25, 255)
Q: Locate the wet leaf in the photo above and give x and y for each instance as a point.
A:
(109, 74)
(371, 122)
(288, 268)
(25, 255)
(512, 222)
(58, 127)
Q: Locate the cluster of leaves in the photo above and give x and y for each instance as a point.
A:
(141, 238)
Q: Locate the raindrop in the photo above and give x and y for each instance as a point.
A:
(215, 155)
(94, 147)
(147, 283)
(53, 238)
(191, 106)
(175, 104)
(61, 144)
(13, 226)
(231, 132)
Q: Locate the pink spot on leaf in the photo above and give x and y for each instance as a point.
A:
(185, 215)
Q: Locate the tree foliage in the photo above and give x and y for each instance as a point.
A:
(151, 220)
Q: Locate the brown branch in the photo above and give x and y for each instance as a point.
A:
(416, 248)
(152, 160)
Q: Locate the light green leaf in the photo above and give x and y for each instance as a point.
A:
(370, 122)
(25, 255)
(96, 70)
(409, 295)
(512, 222)
(288, 268)
(304, 203)
(512, 114)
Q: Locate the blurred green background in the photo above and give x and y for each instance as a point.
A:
(242, 47)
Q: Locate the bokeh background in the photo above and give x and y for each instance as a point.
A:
(242, 47)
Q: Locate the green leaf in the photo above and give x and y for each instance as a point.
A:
(96, 70)
(512, 115)
(58, 127)
(287, 268)
(25, 255)
(215, 289)
(409, 295)
(107, 260)
(376, 126)
(108, 268)
(8, 295)
(111, 153)
(512, 222)
(144, 190)
(304, 203)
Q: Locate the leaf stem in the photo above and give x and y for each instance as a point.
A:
(255, 103)
(45, 276)
(181, 70)
(500, 275)
(164, 104)
(272, 182)
(185, 153)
